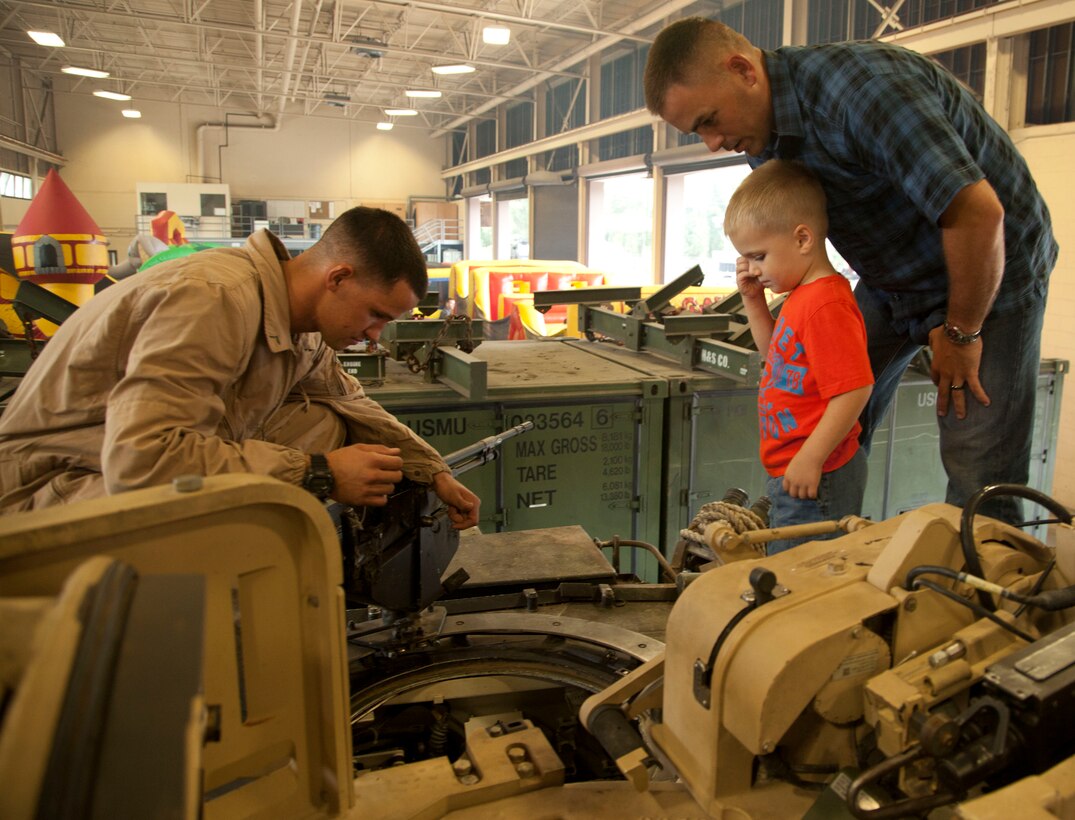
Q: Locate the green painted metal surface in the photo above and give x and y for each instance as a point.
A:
(632, 443)
(593, 458)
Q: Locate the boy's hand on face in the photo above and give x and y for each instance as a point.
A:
(802, 477)
(746, 281)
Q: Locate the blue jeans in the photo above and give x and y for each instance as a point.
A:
(839, 493)
(992, 444)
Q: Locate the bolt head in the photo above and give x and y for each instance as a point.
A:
(187, 483)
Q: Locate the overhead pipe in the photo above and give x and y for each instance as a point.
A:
(273, 124)
(289, 61)
(259, 48)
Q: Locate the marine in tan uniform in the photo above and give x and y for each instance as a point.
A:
(223, 362)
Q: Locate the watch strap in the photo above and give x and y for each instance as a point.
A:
(958, 337)
(319, 479)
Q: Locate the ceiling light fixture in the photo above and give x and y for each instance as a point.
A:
(400, 112)
(496, 35)
(427, 94)
(111, 95)
(385, 126)
(337, 99)
(131, 113)
(46, 38)
(84, 72)
(458, 68)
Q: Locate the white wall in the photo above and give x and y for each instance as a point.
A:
(1050, 151)
(327, 158)
(107, 155)
(316, 158)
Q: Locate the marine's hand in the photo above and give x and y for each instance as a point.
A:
(747, 281)
(955, 372)
(462, 503)
(802, 477)
(365, 474)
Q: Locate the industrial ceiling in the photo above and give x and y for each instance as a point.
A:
(317, 57)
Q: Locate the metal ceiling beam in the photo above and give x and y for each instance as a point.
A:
(234, 28)
(648, 19)
(20, 147)
(443, 8)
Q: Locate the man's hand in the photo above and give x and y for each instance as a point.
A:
(802, 477)
(955, 372)
(462, 503)
(364, 474)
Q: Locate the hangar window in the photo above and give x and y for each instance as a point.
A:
(458, 147)
(968, 66)
(513, 225)
(1051, 76)
(484, 145)
(621, 92)
(565, 109)
(151, 204)
(694, 234)
(16, 186)
(918, 12)
(621, 228)
(834, 21)
(518, 130)
(760, 21)
(480, 227)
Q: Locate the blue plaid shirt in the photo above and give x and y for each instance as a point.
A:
(893, 138)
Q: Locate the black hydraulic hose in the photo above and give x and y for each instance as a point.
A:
(1037, 586)
(978, 609)
(966, 525)
(910, 807)
(1051, 600)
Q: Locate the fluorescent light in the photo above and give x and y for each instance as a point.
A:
(459, 68)
(84, 72)
(496, 35)
(46, 38)
(423, 93)
(385, 126)
(131, 113)
(111, 95)
(400, 112)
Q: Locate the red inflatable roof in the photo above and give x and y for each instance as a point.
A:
(55, 210)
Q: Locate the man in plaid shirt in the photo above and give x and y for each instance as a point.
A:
(929, 201)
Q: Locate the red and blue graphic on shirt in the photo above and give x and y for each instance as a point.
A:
(817, 350)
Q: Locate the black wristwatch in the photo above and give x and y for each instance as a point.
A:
(958, 337)
(318, 479)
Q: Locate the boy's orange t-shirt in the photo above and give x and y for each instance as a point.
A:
(817, 351)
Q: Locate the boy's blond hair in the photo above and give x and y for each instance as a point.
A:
(777, 196)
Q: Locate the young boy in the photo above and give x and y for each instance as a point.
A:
(817, 374)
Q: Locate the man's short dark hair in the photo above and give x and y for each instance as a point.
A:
(379, 244)
(681, 50)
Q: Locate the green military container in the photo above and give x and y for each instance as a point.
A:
(905, 469)
(593, 457)
(631, 444)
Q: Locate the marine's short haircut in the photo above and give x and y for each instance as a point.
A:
(379, 244)
(777, 196)
(683, 49)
